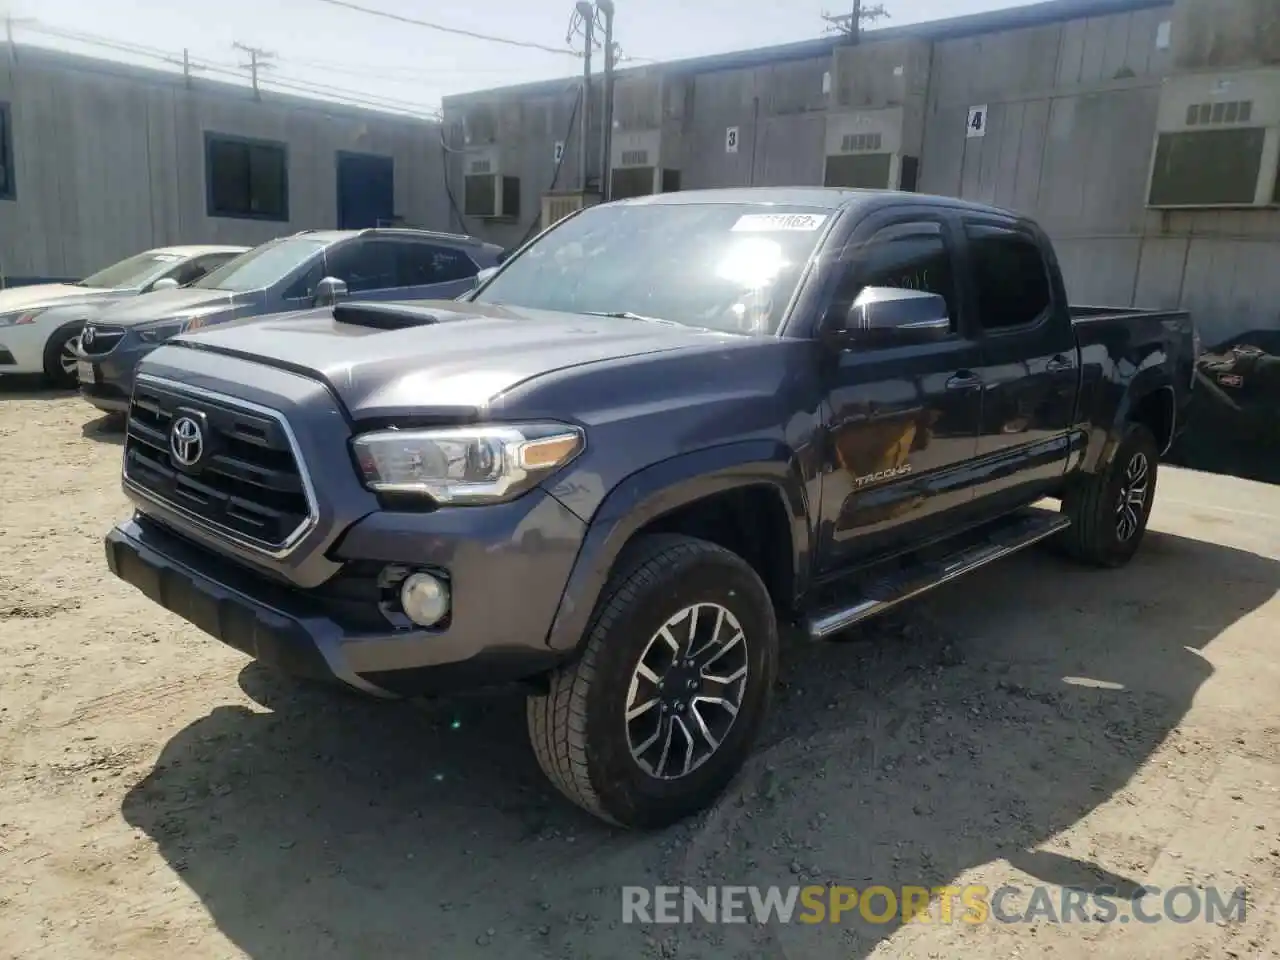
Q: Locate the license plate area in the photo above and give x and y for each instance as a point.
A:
(86, 372)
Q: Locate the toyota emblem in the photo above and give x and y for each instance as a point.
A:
(86, 338)
(186, 442)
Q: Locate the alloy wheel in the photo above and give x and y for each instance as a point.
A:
(1132, 502)
(68, 356)
(686, 691)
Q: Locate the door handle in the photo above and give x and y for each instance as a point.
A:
(964, 380)
(1059, 363)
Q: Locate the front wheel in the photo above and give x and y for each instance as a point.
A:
(61, 354)
(660, 712)
(1109, 510)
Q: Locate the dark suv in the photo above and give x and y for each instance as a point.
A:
(309, 269)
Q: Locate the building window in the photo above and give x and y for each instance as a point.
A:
(6, 153)
(247, 179)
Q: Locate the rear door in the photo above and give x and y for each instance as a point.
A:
(1028, 369)
(903, 421)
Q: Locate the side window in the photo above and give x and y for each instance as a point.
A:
(1010, 280)
(195, 268)
(909, 256)
(420, 264)
(304, 285)
(364, 265)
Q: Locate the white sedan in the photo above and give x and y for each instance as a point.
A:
(40, 324)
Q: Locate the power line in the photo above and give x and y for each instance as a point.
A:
(456, 31)
(288, 83)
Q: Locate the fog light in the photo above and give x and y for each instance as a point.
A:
(424, 598)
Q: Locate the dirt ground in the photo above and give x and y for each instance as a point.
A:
(161, 796)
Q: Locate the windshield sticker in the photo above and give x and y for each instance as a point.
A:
(769, 222)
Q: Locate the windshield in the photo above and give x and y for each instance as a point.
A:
(137, 271)
(262, 266)
(726, 266)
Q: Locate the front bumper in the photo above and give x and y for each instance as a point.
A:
(507, 564)
(22, 348)
(106, 380)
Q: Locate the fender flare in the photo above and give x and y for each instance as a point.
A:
(666, 486)
(1143, 385)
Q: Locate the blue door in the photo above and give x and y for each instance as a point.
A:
(366, 191)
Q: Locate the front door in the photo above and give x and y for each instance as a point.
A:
(1029, 372)
(366, 191)
(903, 420)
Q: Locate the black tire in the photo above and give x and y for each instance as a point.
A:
(1097, 534)
(54, 372)
(579, 729)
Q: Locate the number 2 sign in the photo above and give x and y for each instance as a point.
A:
(977, 126)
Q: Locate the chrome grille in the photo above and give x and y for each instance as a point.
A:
(96, 340)
(246, 483)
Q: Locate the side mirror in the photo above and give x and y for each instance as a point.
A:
(329, 291)
(893, 316)
(483, 276)
(165, 283)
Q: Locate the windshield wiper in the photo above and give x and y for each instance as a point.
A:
(628, 315)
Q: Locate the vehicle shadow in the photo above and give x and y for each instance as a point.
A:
(108, 428)
(30, 386)
(329, 826)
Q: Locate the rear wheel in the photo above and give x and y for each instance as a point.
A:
(60, 356)
(1109, 510)
(660, 712)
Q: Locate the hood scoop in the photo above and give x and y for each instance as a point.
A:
(384, 316)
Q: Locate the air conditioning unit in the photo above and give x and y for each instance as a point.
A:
(636, 166)
(487, 192)
(1217, 141)
(864, 151)
(556, 206)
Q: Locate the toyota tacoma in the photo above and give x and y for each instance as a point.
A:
(655, 433)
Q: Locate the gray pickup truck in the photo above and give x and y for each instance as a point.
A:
(653, 434)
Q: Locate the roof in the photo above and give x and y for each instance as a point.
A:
(819, 198)
(333, 236)
(993, 21)
(196, 250)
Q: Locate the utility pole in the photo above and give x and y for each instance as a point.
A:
(257, 61)
(850, 24)
(606, 8)
(10, 21)
(587, 17)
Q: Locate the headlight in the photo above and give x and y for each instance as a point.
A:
(165, 331)
(16, 319)
(461, 465)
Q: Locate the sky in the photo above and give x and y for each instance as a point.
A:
(363, 58)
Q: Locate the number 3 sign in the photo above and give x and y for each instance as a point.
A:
(731, 140)
(977, 126)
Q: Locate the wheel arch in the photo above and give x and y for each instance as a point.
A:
(712, 494)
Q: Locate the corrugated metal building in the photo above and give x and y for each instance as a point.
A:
(99, 160)
(1061, 110)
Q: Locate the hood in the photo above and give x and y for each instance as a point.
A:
(38, 294)
(87, 306)
(458, 357)
(164, 305)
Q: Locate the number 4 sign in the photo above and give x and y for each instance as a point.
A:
(731, 140)
(977, 126)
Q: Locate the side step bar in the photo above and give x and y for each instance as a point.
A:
(1011, 536)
